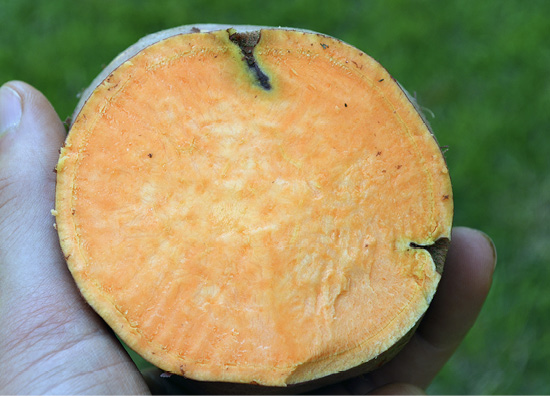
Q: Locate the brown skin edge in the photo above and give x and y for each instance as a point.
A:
(438, 250)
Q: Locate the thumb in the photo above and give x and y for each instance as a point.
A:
(50, 340)
(30, 135)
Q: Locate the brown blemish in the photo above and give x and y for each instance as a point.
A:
(247, 41)
(67, 124)
(438, 251)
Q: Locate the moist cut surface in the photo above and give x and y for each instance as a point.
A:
(232, 231)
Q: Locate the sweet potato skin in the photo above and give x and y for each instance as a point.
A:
(297, 383)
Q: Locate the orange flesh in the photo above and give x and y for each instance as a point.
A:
(232, 233)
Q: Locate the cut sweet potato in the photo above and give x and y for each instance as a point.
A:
(253, 205)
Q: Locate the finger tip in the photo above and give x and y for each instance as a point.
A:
(26, 92)
(476, 255)
(480, 239)
(35, 104)
(38, 132)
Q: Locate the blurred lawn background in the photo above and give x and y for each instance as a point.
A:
(481, 67)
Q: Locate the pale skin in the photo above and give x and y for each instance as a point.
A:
(52, 342)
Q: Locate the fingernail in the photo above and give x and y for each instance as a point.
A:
(10, 109)
(492, 244)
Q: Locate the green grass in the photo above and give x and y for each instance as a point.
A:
(483, 69)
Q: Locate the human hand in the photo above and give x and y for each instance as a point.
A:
(52, 342)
